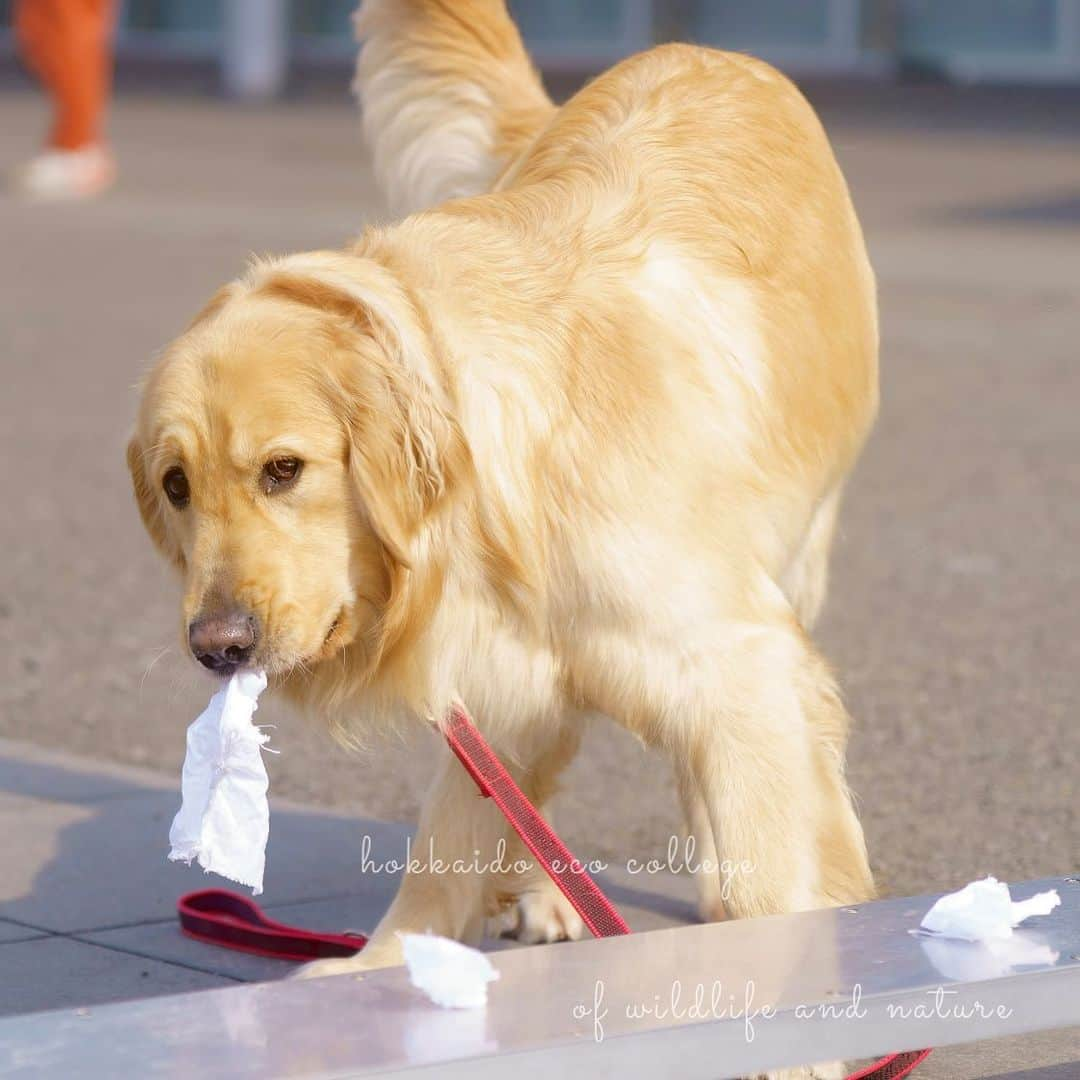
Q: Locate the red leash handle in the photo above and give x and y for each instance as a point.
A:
(225, 918)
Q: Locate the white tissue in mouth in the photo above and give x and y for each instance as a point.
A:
(984, 911)
(224, 817)
(451, 974)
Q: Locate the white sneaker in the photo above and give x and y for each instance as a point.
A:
(66, 174)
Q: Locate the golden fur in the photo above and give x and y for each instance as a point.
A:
(573, 443)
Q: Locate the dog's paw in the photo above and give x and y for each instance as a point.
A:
(368, 959)
(711, 907)
(318, 969)
(540, 915)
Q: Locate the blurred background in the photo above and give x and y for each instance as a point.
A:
(260, 46)
(954, 613)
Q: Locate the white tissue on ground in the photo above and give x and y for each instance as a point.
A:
(984, 911)
(451, 974)
(224, 817)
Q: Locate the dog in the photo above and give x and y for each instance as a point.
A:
(570, 437)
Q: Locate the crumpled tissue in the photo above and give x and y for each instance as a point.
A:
(451, 974)
(984, 911)
(224, 817)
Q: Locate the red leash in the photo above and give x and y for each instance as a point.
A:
(225, 918)
(220, 917)
(597, 912)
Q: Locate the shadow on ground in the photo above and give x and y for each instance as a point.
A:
(88, 899)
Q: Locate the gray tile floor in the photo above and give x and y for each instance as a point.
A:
(87, 897)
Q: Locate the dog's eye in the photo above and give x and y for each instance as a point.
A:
(176, 487)
(280, 472)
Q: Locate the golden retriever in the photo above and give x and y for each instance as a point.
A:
(570, 438)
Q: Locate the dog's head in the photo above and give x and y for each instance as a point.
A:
(291, 449)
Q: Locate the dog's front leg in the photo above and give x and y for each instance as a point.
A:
(767, 770)
(457, 826)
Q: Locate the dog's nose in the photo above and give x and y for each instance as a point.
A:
(222, 642)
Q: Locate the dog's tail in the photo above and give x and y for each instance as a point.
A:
(449, 96)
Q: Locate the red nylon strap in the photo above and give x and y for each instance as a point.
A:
(597, 912)
(893, 1067)
(225, 918)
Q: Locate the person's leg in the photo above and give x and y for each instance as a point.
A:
(79, 70)
(67, 44)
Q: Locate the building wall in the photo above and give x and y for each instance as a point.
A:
(1022, 40)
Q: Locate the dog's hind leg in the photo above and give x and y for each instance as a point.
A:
(764, 764)
(700, 852)
(764, 749)
(750, 716)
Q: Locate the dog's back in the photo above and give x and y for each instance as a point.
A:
(685, 181)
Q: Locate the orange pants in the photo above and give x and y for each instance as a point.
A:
(67, 43)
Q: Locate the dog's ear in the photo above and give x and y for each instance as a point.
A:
(407, 452)
(150, 505)
(407, 455)
(146, 498)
